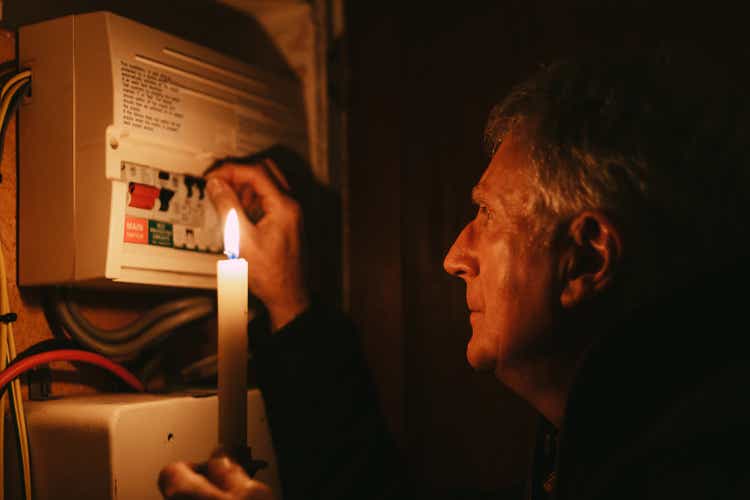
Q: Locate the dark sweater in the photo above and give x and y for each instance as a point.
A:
(330, 438)
(660, 409)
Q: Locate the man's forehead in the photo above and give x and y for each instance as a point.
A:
(506, 176)
(493, 180)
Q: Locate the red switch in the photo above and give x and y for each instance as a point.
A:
(142, 195)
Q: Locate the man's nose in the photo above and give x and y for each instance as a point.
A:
(458, 261)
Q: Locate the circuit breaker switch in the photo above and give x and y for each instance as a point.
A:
(189, 182)
(142, 195)
(201, 183)
(165, 196)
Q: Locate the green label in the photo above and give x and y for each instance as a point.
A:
(159, 233)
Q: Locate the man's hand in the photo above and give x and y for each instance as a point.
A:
(224, 480)
(271, 244)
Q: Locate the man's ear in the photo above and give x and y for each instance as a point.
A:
(591, 257)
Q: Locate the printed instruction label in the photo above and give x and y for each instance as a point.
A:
(150, 100)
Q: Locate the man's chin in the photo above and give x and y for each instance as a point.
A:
(478, 359)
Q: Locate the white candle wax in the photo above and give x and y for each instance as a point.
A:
(231, 291)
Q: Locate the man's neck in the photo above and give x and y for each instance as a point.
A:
(544, 383)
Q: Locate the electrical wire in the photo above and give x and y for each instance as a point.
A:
(15, 101)
(151, 336)
(11, 373)
(10, 93)
(16, 395)
(18, 77)
(10, 98)
(38, 348)
(137, 327)
(5, 69)
(8, 67)
(3, 400)
(46, 345)
(12, 87)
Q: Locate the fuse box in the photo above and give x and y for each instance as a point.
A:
(121, 123)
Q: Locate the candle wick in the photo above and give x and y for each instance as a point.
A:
(230, 254)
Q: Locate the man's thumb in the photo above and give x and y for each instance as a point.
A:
(224, 199)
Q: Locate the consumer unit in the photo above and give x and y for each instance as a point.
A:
(121, 122)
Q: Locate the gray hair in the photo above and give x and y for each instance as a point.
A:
(657, 141)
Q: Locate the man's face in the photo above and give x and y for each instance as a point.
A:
(511, 290)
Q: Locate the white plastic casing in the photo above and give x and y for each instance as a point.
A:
(108, 447)
(115, 103)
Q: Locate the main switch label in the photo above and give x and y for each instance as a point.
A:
(135, 230)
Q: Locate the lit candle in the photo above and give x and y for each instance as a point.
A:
(231, 291)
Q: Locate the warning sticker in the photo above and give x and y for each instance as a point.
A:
(159, 233)
(135, 230)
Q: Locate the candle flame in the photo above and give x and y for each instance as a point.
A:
(232, 235)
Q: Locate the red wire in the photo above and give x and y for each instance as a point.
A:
(16, 369)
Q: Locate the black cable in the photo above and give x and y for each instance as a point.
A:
(20, 462)
(44, 346)
(9, 66)
(38, 348)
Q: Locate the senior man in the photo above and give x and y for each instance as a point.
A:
(605, 281)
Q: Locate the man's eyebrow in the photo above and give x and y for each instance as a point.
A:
(480, 195)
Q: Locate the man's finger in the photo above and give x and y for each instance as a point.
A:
(225, 199)
(254, 175)
(227, 474)
(178, 481)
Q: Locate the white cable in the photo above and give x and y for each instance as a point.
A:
(20, 76)
(17, 396)
(7, 97)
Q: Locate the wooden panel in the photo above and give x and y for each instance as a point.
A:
(375, 212)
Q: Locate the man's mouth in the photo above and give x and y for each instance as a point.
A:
(474, 317)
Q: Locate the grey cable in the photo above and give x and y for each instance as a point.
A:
(156, 333)
(134, 329)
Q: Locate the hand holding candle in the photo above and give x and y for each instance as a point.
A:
(273, 244)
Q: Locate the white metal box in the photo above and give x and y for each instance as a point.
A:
(113, 446)
(122, 121)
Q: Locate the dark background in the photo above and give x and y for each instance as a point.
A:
(422, 80)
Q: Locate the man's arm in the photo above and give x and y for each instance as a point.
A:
(328, 432)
